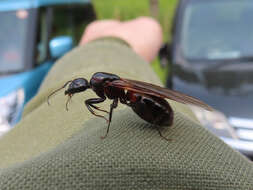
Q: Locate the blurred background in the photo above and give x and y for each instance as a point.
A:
(207, 53)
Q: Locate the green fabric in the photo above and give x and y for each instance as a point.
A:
(56, 149)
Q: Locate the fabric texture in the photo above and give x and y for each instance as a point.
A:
(52, 148)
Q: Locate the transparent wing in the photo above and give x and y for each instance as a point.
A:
(154, 90)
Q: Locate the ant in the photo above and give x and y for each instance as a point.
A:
(146, 100)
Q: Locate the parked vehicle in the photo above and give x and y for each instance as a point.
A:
(211, 58)
(33, 34)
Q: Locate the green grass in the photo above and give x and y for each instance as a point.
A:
(121, 9)
(129, 9)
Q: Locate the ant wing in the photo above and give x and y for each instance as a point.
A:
(154, 90)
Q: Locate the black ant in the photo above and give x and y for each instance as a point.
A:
(146, 100)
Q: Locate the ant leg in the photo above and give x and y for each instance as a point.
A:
(161, 135)
(97, 108)
(57, 91)
(113, 106)
(89, 103)
(69, 98)
(96, 101)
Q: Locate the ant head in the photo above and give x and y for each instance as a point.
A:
(76, 86)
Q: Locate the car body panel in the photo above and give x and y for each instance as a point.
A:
(214, 86)
(29, 81)
(8, 5)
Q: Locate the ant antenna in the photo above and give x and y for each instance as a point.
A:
(57, 91)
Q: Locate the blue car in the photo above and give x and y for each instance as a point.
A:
(33, 34)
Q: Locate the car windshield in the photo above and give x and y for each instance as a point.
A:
(13, 37)
(217, 29)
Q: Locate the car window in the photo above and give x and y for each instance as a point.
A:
(217, 29)
(71, 20)
(61, 20)
(15, 30)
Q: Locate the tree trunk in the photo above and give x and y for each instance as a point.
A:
(154, 8)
